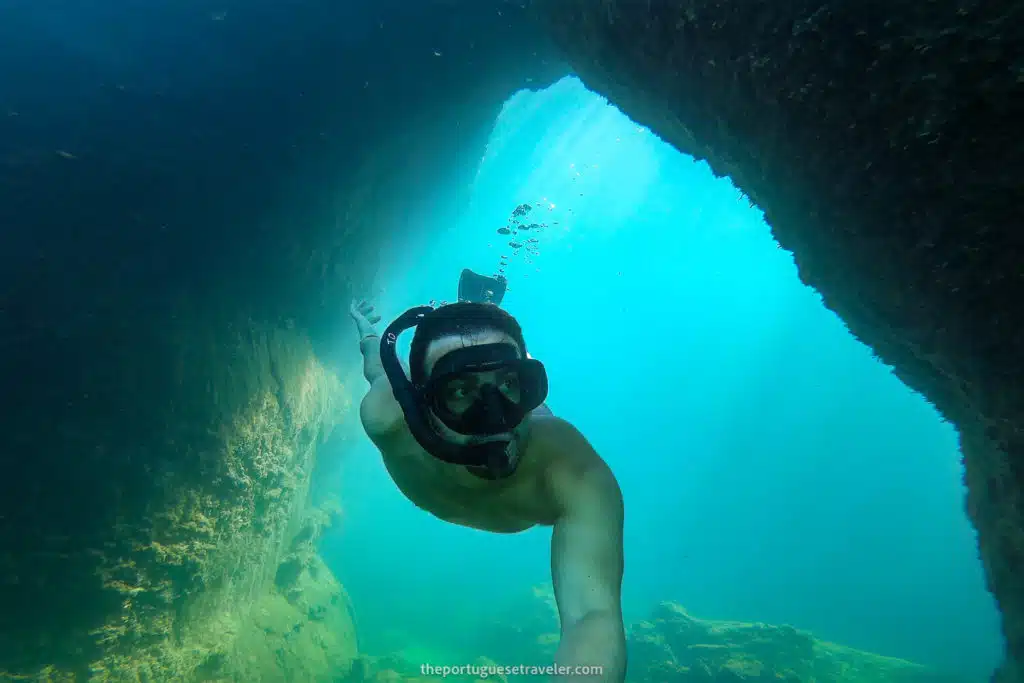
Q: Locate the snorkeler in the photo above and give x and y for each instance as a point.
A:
(465, 435)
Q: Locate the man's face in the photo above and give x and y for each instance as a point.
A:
(508, 385)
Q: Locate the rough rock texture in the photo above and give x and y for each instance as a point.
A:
(672, 645)
(675, 646)
(304, 633)
(882, 141)
(149, 567)
(189, 196)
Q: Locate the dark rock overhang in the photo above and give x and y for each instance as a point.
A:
(882, 142)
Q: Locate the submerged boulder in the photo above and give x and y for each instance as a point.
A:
(673, 645)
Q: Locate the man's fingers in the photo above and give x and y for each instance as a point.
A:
(363, 309)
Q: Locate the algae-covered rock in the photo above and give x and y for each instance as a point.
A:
(205, 507)
(306, 635)
(675, 646)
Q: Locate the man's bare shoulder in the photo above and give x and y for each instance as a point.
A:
(573, 475)
(558, 444)
(379, 411)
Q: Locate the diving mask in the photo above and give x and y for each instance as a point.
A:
(483, 392)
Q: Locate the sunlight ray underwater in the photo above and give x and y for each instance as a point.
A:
(773, 470)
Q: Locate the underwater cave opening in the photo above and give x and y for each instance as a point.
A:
(773, 469)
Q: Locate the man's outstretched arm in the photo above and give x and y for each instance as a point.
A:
(369, 341)
(587, 563)
(378, 411)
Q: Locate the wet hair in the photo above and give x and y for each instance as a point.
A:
(460, 319)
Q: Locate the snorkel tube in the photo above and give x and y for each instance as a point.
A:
(491, 460)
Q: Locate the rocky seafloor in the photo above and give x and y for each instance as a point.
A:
(670, 645)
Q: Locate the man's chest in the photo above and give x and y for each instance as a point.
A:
(456, 496)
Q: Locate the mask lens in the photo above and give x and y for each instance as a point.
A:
(507, 382)
(459, 392)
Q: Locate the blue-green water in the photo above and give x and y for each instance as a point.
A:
(772, 469)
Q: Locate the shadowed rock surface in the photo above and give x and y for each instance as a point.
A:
(882, 142)
(189, 196)
(190, 193)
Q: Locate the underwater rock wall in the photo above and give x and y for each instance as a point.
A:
(882, 142)
(189, 200)
(183, 511)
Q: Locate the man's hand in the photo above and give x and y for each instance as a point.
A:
(364, 315)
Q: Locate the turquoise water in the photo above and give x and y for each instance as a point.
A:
(772, 469)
